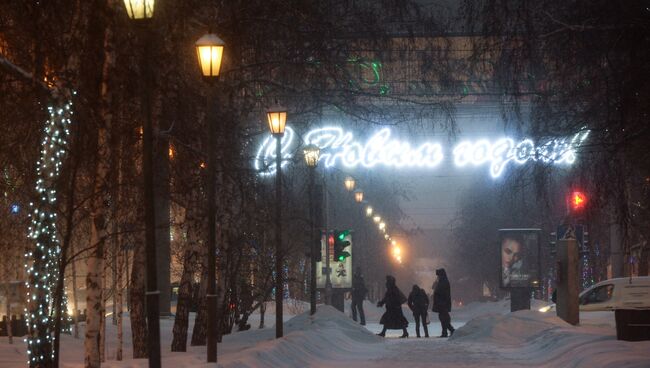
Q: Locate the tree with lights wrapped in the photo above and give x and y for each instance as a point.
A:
(44, 260)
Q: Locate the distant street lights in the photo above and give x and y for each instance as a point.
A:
(209, 50)
(349, 183)
(369, 211)
(277, 118)
(141, 11)
(358, 196)
(312, 154)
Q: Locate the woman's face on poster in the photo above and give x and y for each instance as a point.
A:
(510, 252)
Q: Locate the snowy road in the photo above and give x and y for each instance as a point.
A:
(491, 337)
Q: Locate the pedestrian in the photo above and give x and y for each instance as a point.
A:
(442, 302)
(418, 301)
(393, 318)
(358, 295)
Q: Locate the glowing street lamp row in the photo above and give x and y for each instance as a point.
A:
(350, 184)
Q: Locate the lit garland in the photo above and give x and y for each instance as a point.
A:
(44, 260)
(587, 271)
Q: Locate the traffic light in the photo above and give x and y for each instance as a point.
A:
(578, 201)
(340, 243)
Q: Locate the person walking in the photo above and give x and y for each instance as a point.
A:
(358, 295)
(442, 302)
(393, 318)
(418, 301)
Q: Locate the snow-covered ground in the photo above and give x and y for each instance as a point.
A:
(487, 336)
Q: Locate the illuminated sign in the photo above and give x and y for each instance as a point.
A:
(339, 147)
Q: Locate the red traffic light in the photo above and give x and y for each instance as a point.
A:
(578, 201)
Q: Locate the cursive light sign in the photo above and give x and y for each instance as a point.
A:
(338, 147)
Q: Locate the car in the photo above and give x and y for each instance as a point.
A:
(609, 295)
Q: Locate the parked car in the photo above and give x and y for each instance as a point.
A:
(609, 295)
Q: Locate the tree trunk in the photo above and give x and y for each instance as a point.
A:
(179, 342)
(102, 320)
(138, 316)
(262, 311)
(10, 334)
(94, 296)
(75, 305)
(199, 332)
(119, 292)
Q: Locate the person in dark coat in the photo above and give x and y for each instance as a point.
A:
(358, 295)
(442, 302)
(418, 301)
(393, 318)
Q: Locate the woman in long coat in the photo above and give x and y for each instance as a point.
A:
(393, 318)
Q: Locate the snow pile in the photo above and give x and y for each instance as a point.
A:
(318, 340)
(542, 339)
(508, 329)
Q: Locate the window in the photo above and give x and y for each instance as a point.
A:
(600, 294)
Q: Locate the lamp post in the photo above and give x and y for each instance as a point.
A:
(209, 50)
(277, 118)
(312, 154)
(141, 12)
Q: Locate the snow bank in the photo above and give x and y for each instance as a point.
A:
(313, 341)
(541, 339)
(508, 329)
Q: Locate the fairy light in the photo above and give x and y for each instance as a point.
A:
(340, 147)
(44, 259)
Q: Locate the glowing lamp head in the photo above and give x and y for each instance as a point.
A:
(386, 236)
(312, 154)
(382, 225)
(139, 9)
(368, 211)
(376, 219)
(358, 196)
(349, 183)
(209, 50)
(578, 201)
(277, 118)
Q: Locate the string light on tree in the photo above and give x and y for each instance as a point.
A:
(44, 259)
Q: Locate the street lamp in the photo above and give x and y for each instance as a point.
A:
(358, 196)
(141, 11)
(312, 154)
(376, 219)
(369, 211)
(209, 51)
(349, 183)
(277, 118)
